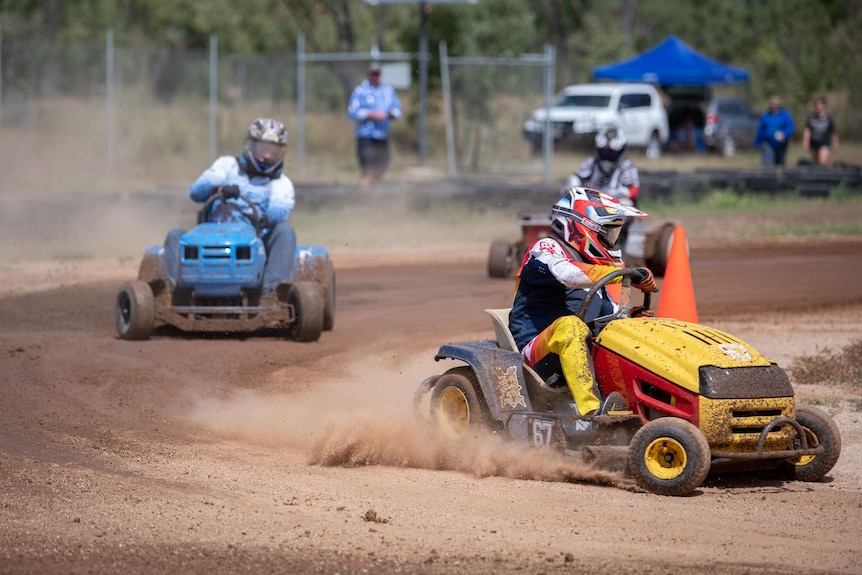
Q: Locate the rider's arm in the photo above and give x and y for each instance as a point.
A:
(629, 182)
(357, 108)
(282, 198)
(394, 104)
(565, 270)
(221, 173)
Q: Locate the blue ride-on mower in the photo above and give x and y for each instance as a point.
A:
(214, 283)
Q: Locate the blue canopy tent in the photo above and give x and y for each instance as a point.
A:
(684, 74)
(671, 63)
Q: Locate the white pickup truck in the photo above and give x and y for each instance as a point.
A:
(582, 109)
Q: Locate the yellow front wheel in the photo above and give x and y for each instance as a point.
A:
(456, 403)
(669, 456)
(820, 429)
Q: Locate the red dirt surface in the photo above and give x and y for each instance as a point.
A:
(257, 455)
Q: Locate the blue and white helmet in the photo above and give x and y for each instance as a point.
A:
(264, 147)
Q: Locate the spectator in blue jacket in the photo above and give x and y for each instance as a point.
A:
(372, 106)
(773, 133)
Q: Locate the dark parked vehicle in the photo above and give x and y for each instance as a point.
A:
(730, 124)
(723, 123)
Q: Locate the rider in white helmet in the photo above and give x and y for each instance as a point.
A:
(609, 170)
(256, 177)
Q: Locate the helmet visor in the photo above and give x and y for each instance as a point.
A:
(609, 155)
(611, 236)
(267, 154)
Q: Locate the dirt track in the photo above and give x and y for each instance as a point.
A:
(231, 455)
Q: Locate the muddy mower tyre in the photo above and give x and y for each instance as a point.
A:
(456, 405)
(669, 456)
(820, 429)
(328, 296)
(500, 264)
(661, 253)
(305, 299)
(134, 311)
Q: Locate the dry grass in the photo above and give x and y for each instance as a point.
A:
(834, 368)
(61, 146)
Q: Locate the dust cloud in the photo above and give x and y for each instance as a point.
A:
(371, 421)
(80, 226)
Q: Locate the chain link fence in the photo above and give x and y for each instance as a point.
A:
(101, 115)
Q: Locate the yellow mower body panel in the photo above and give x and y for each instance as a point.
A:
(735, 424)
(675, 350)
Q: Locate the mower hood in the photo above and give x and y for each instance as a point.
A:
(676, 350)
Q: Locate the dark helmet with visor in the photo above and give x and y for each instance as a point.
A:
(611, 144)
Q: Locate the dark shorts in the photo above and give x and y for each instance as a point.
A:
(373, 154)
(815, 145)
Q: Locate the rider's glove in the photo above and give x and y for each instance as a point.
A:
(231, 191)
(264, 221)
(641, 311)
(644, 281)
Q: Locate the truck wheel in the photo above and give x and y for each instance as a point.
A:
(661, 254)
(456, 405)
(328, 296)
(305, 299)
(728, 148)
(669, 456)
(134, 311)
(500, 259)
(820, 429)
(653, 147)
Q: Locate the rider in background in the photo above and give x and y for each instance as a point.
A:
(553, 281)
(609, 170)
(255, 177)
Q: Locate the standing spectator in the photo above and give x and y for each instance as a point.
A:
(773, 133)
(372, 105)
(820, 135)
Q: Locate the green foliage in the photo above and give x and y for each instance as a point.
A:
(795, 48)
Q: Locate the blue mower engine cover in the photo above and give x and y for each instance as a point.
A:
(219, 260)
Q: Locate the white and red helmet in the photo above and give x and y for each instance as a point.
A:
(591, 222)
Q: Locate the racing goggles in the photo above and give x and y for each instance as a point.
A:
(610, 236)
(267, 153)
(609, 154)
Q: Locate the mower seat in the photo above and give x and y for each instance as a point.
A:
(501, 328)
(506, 341)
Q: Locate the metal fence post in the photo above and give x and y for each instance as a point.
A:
(213, 96)
(300, 101)
(423, 79)
(548, 140)
(1, 103)
(109, 84)
(447, 108)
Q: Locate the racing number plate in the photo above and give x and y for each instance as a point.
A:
(542, 432)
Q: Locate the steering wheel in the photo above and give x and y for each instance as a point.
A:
(218, 194)
(624, 307)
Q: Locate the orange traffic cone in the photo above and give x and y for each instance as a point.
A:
(677, 292)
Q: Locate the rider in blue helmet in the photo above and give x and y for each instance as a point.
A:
(256, 177)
